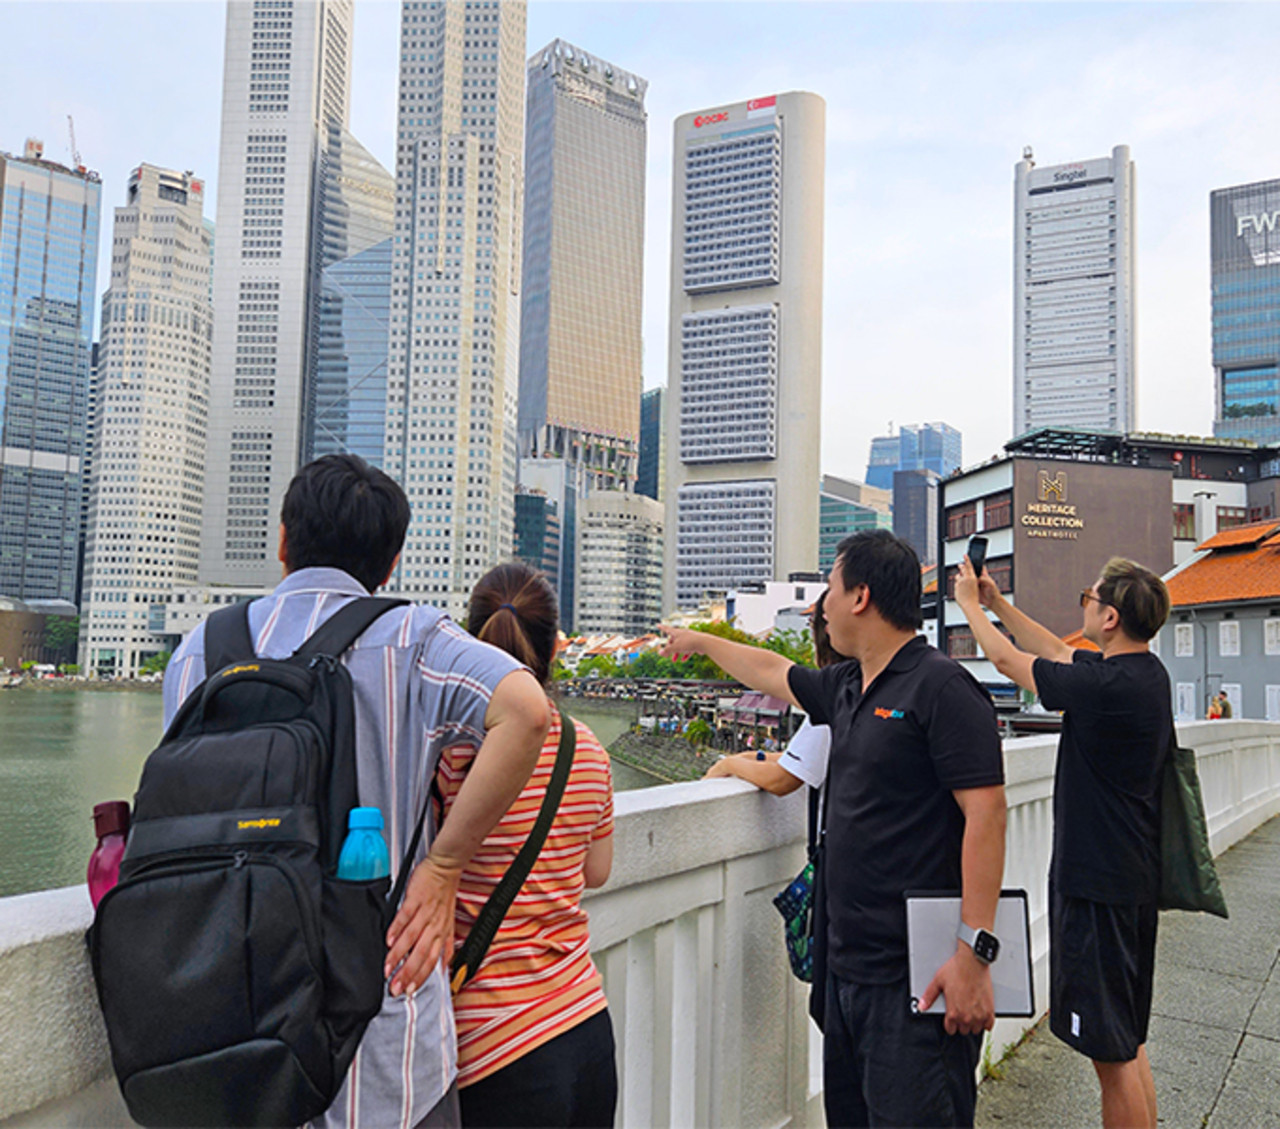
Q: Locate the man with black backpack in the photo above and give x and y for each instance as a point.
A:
(419, 684)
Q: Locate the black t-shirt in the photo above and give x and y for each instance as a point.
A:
(924, 729)
(1106, 789)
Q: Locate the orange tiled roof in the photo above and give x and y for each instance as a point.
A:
(1241, 535)
(1077, 642)
(1229, 577)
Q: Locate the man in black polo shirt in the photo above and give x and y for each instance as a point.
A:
(915, 801)
(1105, 874)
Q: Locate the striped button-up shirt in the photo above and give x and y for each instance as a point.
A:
(421, 684)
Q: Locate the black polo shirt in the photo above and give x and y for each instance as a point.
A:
(925, 728)
(1107, 784)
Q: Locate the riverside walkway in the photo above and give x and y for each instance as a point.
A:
(1214, 1039)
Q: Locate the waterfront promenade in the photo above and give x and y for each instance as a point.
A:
(1215, 1025)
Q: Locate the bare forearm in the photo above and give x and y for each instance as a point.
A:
(766, 774)
(982, 857)
(753, 666)
(1032, 637)
(501, 768)
(1008, 659)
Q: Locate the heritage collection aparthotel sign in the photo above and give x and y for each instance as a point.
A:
(1052, 515)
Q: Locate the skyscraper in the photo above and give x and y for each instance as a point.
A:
(846, 507)
(580, 335)
(653, 423)
(347, 364)
(1073, 290)
(147, 473)
(453, 364)
(620, 553)
(281, 218)
(745, 354)
(48, 262)
(1245, 264)
(926, 446)
(915, 511)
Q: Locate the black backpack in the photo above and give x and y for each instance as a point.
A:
(236, 973)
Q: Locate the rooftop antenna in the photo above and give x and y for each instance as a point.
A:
(1028, 155)
(75, 153)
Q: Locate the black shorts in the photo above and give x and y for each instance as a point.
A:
(1102, 960)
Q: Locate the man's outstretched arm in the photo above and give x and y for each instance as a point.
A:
(515, 726)
(762, 670)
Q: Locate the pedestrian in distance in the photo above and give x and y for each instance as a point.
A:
(420, 684)
(1104, 876)
(804, 761)
(535, 1043)
(915, 802)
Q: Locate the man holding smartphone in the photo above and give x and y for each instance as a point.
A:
(1105, 873)
(915, 801)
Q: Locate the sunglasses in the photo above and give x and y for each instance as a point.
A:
(1086, 596)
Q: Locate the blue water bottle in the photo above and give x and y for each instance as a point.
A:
(364, 855)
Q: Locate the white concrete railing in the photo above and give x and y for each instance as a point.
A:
(711, 1028)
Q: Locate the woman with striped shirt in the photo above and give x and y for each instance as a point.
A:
(535, 1045)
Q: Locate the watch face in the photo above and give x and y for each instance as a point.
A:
(986, 947)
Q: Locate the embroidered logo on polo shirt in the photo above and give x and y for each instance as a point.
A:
(890, 715)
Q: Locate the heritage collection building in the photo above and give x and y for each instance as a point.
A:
(1061, 503)
(295, 193)
(151, 411)
(745, 353)
(1073, 294)
(455, 303)
(49, 218)
(1245, 264)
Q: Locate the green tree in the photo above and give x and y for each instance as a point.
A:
(794, 645)
(62, 634)
(559, 672)
(156, 664)
(699, 732)
(650, 664)
(27, 665)
(603, 665)
(699, 666)
(69, 668)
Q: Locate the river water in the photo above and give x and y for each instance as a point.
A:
(62, 751)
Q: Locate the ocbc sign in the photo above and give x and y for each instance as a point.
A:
(710, 119)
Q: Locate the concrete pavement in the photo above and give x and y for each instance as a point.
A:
(1214, 1040)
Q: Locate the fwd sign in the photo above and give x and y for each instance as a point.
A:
(1265, 222)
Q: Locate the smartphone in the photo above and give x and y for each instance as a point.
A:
(977, 553)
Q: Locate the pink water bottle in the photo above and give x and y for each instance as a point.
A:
(111, 825)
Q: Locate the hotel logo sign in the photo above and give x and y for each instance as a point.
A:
(1050, 515)
(1051, 489)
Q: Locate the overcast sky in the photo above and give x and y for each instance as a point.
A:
(928, 108)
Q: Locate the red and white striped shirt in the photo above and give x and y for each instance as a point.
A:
(537, 979)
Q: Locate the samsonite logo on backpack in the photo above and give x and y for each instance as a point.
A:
(236, 973)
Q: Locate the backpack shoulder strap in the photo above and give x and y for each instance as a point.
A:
(346, 625)
(227, 638)
(467, 957)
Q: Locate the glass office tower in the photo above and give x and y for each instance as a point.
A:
(351, 363)
(48, 261)
(1245, 263)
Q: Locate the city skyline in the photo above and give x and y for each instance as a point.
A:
(918, 97)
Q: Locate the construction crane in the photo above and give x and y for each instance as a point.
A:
(75, 153)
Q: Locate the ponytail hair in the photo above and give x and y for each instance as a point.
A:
(514, 608)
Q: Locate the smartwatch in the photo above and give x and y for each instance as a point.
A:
(985, 946)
